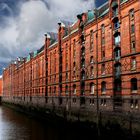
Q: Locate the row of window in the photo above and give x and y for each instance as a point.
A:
(117, 87)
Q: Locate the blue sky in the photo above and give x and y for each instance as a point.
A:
(22, 23)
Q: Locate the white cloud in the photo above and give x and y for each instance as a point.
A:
(25, 32)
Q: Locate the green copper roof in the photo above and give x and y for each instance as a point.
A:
(35, 53)
(28, 58)
(90, 15)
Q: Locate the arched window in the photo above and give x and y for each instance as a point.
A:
(134, 87)
(66, 76)
(103, 69)
(83, 62)
(74, 75)
(67, 91)
(103, 87)
(91, 88)
(83, 51)
(74, 89)
(91, 60)
(74, 65)
(83, 74)
(102, 28)
(92, 71)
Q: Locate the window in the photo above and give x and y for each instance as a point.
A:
(91, 34)
(103, 87)
(102, 28)
(67, 89)
(74, 89)
(83, 51)
(74, 75)
(91, 60)
(92, 71)
(103, 69)
(103, 54)
(117, 39)
(91, 101)
(103, 41)
(116, 24)
(133, 64)
(74, 65)
(131, 13)
(66, 76)
(117, 53)
(134, 87)
(82, 88)
(74, 53)
(133, 46)
(117, 85)
(83, 62)
(132, 29)
(83, 75)
(91, 45)
(91, 88)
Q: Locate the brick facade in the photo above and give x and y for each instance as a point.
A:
(94, 61)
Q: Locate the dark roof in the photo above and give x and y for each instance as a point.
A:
(41, 49)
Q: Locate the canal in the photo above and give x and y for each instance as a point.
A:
(18, 126)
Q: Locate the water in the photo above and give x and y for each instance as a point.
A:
(17, 126)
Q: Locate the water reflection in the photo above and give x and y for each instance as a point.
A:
(17, 126)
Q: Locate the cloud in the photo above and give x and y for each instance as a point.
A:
(24, 32)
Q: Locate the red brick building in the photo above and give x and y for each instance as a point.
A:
(92, 62)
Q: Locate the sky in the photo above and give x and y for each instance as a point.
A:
(24, 22)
